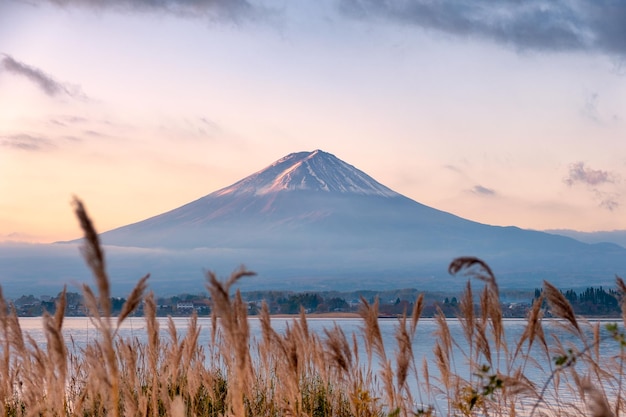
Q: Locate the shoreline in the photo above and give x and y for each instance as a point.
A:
(347, 315)
(334, 315)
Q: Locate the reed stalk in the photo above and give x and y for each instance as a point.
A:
(297, 372)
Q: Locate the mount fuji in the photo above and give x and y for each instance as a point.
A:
(308, 199)
(310, 221)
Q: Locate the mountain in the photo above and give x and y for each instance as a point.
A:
(306, 198)
(279, 202)
(608, 236)
(310, 221)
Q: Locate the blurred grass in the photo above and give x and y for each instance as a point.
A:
(301, 373)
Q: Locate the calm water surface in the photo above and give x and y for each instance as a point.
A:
(81, 332)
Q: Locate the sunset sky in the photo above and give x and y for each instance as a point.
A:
(512, 114)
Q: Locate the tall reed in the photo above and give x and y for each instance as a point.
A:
(297, 372)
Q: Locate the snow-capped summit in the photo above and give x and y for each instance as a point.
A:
(311, 171)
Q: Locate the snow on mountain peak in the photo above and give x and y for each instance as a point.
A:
(312, 171)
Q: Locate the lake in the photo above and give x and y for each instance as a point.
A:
(81, 331)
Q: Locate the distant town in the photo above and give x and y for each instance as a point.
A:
(593, 302)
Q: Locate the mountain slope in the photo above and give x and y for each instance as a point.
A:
(305, 194)
(310, 218)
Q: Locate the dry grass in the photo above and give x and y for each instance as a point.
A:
(301, 373)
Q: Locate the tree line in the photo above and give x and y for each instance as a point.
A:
(592, 301)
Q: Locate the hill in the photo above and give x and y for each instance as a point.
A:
(310, 221)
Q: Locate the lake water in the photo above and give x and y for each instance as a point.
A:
(81, 331)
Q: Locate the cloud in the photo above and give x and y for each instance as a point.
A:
(480, 190)
(579, 174)
(594, 179)
(67, 120)
(548, 25)
(590, 108)
(93, 133)
(34, 143)
(44, 81)
(199, 128)
(232, 10)
(17, 237)
(26, 142)
(454, 168)
(609, 202)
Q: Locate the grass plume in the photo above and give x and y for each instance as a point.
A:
(298, 372)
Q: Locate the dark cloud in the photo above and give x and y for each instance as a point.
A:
(480, 190)
(44, 81)
(579, 174)
(556, 25)
(26, 142)
(233, 10)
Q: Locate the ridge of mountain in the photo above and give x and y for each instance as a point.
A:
(617, 237)
(311, 221)
(312, 194)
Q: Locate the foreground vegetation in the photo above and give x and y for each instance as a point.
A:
(300, 373)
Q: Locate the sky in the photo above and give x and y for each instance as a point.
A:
(507, 113)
